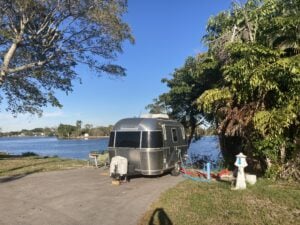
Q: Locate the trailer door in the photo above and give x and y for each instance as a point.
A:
(170, 142)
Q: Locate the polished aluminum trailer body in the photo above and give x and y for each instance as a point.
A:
(152, 146)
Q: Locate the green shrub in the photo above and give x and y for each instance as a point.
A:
(27, 154)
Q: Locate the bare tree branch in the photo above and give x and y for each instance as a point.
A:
(27, 66)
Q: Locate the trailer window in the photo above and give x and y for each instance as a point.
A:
(129, 139)
(111, 139)
(152, 139)
(174, 134)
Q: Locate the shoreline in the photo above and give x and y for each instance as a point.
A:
(71, 138)
(83, 138)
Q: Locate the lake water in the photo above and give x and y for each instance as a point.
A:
(51, 146)
(79, 149)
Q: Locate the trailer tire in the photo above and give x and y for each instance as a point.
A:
(176, 170)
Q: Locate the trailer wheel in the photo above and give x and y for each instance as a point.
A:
(176, 170)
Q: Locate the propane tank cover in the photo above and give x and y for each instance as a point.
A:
(118, 165)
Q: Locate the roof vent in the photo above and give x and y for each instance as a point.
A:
(156, 116)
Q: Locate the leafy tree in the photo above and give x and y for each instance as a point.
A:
(100, 131)
(38, 130)
(158, 106)
(187, 83)
(42, 41)
(49, 131)
(87, 128)
(65, 130)
(78, 124)
(258, 47)
(78, 127)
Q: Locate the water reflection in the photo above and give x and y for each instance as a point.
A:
(203, 150)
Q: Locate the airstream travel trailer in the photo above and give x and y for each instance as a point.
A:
(150, 145)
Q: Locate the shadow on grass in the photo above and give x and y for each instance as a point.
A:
(161, 217)
(7, 156)
(18, 176)
(24, 155)
(30, 165)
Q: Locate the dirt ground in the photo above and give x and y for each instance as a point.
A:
(77, 197)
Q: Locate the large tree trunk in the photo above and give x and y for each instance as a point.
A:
(6, 60)
(193, 128)
(11, 51)
(282, 153)
(230, 146)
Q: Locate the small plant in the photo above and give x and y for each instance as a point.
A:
(27, 154)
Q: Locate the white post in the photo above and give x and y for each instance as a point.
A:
(96, 162)
(208, 171)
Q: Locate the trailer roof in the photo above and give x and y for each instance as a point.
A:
(143, 124)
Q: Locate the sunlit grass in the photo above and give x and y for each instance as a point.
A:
(18, 165)
(215, 203)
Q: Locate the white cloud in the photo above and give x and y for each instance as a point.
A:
(28, 121)
(5, 116)
(54, 114)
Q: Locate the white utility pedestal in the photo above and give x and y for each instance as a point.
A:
(241, 164)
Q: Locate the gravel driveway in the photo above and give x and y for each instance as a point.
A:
(82, 196)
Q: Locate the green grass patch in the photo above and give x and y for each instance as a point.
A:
(215, 203)
(12, 165)
(102, 158)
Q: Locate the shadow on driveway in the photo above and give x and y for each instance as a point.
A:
(19, 176)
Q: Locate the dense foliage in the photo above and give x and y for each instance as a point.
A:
(187, 83)
(42, 41)
(255, 102)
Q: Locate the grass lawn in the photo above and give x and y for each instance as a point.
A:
(192, 202)
(11, 165)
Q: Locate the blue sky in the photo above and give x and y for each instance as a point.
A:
(166, 33)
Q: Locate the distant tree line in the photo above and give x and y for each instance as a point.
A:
(77, 131)
(63, 131)
(33, 132)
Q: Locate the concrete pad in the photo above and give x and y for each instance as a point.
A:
(77, 197)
